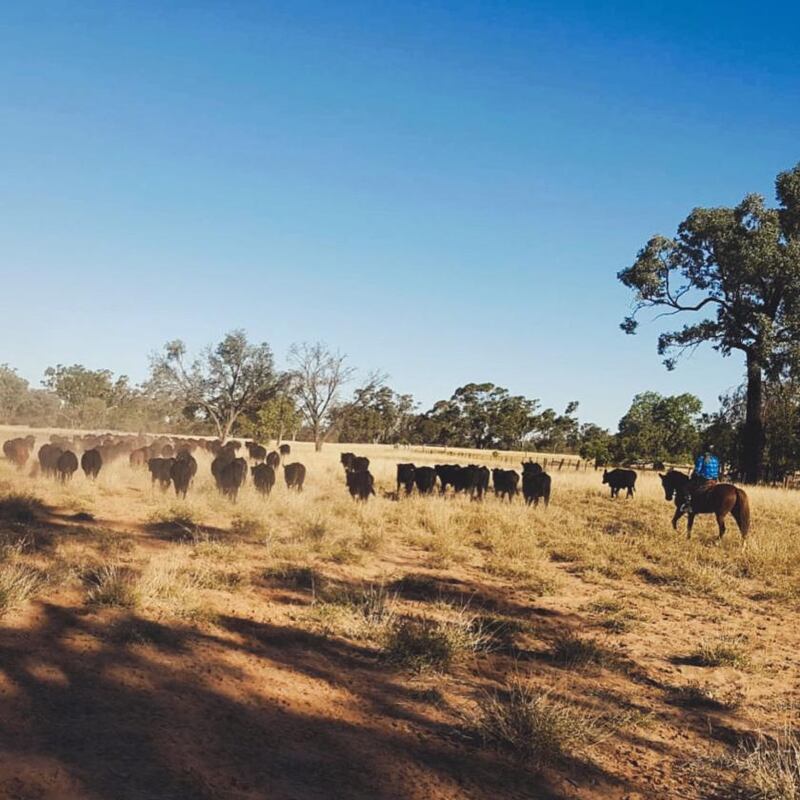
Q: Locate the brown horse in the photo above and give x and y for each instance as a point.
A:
(720, 499)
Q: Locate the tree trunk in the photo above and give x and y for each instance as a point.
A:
(753, 438)
(318, 442)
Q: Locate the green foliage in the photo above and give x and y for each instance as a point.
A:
(486, 416)
(376, 414)
(736, 271)
(13, 392)
(230, 379)
(658, 428)
(278, 416)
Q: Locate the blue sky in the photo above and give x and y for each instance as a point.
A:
(442, 190)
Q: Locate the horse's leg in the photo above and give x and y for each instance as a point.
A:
(721, 523)
(690, 525)
(678, 514)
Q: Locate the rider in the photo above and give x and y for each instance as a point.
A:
(706, 469)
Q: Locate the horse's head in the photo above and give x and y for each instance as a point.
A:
(674, 483)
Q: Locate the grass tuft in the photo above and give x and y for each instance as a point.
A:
(17, 584)
(534, 727)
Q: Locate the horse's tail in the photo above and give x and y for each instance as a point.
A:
(741, 512)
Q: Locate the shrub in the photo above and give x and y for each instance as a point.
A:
(20, 508)
(419, 643)
(113, 586)
(770, 767)
(728, 651)
(533, 726)
(17, 583)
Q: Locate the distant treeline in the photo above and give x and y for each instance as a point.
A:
(234, 389)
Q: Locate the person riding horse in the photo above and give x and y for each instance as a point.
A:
(706, 470)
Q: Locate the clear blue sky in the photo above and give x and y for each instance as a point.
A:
(443, 190)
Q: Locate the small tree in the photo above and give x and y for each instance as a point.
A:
(86, 395)
(227, 380)
(743, 265)
(13, 392)
(272, 420)
(318, 375)
(658, 428)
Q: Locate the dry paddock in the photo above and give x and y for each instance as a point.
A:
(306, 646)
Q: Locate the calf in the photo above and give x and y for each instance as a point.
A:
(535, 484)
(91, 463)
(405, 477)
(620, 479)
(231, 478)
(263, 478)
(361, 484)
(505, 482)
(294, 475)
(425, 479)
(182, 471)
(66, 465)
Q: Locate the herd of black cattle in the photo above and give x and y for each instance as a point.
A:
(171, 463)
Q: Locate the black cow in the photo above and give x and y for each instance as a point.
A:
(536, 484)
(361, 484)
(221, 460)
(48, 458)
(620, 479)
(257, 452)
(161, 471)
(506, 482)
(484, 475)
(294, 475)
(274, 459)
(66, 465)
(448, 475)
(284, 450)
(231, 478)
(425, 479)
(405, 477)
(91, 463)
(263, 478)
(182, 471)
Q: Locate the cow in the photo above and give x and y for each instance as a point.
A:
(425, 479)
(447, 474)
(535, 484)
(232, 477)
(138, 457)
(620, 479)
(48, 458)
(274, 459)
(482, 484)
(66, 465)
(91, 463)
(257, 452)
(17, 451)
(161, 471)
(360, 484)
(284, 450)
(294, 475)
(505, 483)
(405, 477)
(221, 460)
(182, 471)
(263, 478)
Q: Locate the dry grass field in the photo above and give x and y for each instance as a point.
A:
(306, 646)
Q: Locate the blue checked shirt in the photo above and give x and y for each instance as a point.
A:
(707, 467)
